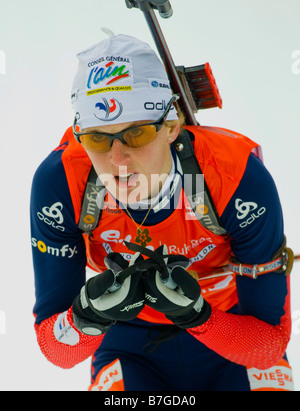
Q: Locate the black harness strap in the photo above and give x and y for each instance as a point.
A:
(195, 186)
(92, 204)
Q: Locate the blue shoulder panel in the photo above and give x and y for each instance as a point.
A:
(254, 220)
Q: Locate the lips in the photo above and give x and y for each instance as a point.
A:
(126, 180)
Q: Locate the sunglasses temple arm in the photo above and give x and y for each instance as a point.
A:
(173, 100)
(76, 135)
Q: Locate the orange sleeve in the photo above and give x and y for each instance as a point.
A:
(244, 340)
(58, 349)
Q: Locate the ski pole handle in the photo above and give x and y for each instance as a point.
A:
(169, 282)
(116, 285)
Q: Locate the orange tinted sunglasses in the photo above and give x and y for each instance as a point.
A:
(133, 137)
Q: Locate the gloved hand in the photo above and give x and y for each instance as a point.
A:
(117, 294)
(174, 292)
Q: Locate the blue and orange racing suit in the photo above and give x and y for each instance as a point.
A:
(241, 347)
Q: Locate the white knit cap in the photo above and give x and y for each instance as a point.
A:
(120, 79)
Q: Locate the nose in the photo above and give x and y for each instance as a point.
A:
(119, 153)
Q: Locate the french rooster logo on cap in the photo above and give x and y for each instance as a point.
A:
(108, 111)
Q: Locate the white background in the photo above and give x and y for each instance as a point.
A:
(249, 43)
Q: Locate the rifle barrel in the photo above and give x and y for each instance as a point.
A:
(166, 57)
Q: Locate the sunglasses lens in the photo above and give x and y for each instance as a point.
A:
(140, 136)
(96, 143)
(133, 137)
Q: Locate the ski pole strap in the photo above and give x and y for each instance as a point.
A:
(155, 257)
(282, 261)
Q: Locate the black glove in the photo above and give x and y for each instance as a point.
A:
(171, 290)
(117, 294)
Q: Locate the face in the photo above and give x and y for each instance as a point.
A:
(134, 174)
